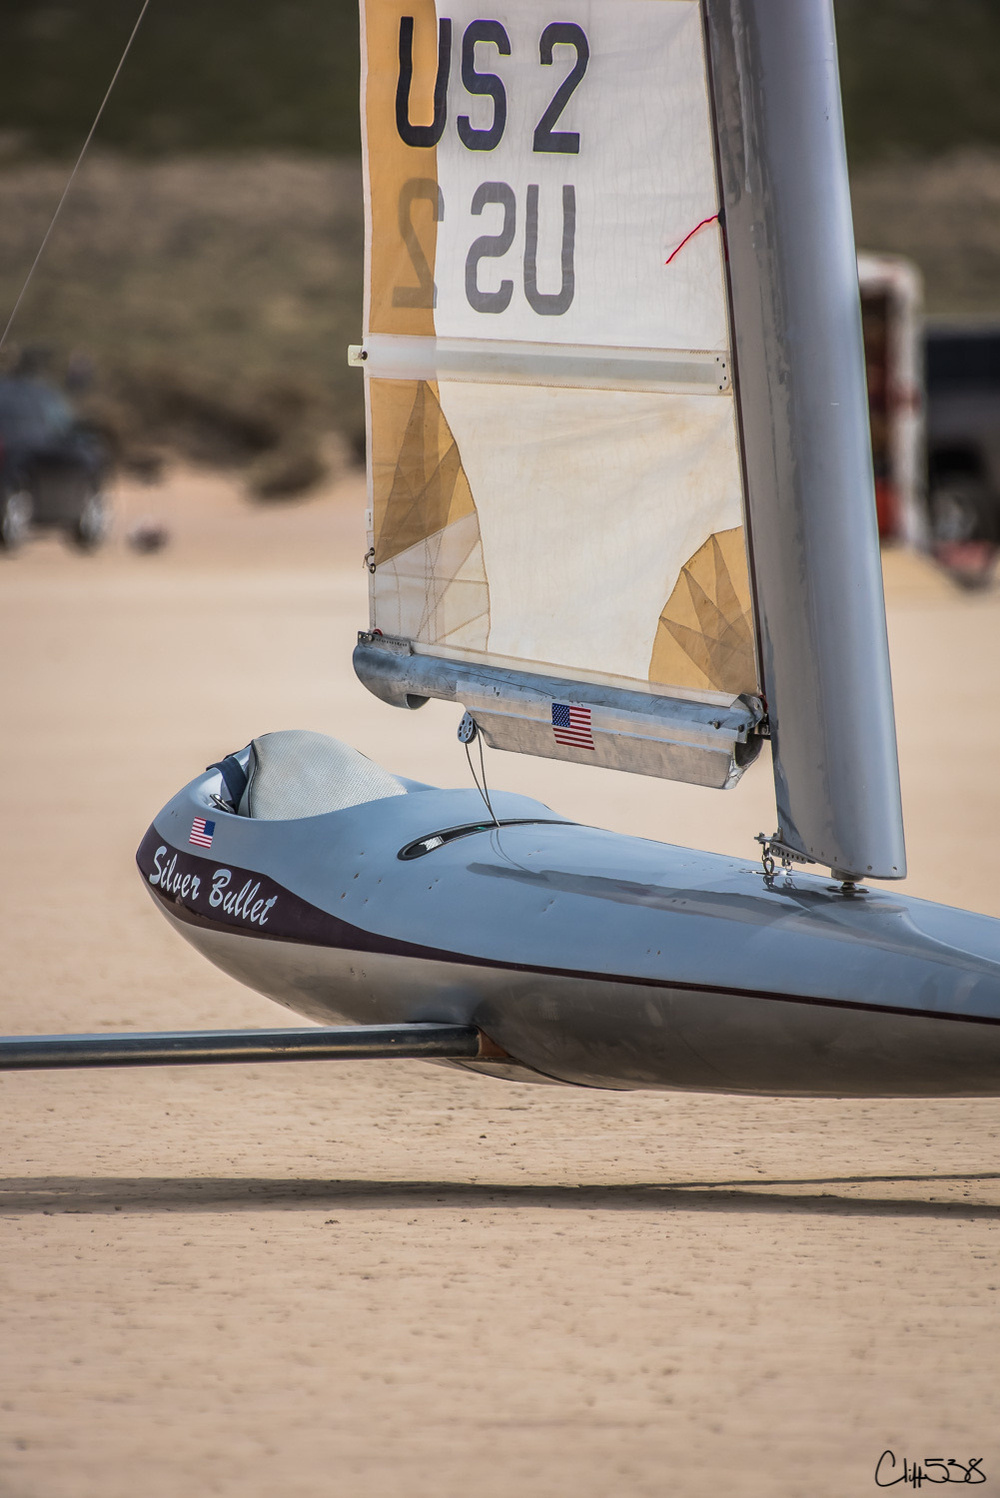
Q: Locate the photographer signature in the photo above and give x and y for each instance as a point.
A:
(931, 1469)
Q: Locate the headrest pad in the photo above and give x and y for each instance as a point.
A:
(296, 773)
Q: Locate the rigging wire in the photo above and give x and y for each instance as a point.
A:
(72, 177)
(482, 789)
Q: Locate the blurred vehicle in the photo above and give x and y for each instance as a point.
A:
(891, 298)
(963, 446)
(53, 467)
(934, 411)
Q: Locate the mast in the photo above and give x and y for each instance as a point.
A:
(809, 488)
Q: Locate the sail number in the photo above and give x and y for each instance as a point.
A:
(546, 138)
(489, 85)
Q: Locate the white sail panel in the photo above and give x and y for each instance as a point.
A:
(554, 463)
(643, 177)
(572, 582)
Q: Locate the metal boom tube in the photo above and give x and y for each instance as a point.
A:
(213, 1047)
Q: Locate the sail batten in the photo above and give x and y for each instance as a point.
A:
(679, 371)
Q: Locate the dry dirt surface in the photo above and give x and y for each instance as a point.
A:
(388, 1280)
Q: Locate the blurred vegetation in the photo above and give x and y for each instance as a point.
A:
(214, 297)
(943, 213)
(208, 262)
(919, 76)
(203, 75)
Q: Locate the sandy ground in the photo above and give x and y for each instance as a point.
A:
(385, 1279)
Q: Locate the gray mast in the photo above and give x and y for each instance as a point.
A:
(806, 442)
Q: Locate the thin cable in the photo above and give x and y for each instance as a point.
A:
(486, 792)
(72, 177)
(475, 778)
(482, 789)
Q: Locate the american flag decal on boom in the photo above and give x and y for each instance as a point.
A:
(571, 726)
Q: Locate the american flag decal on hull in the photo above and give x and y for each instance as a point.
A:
(571, 726)
(202, 833)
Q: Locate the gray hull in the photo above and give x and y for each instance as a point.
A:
(591, 958)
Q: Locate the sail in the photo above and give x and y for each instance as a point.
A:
(555, 476)
(558, 477)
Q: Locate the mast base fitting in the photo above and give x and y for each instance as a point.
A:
(848, 885)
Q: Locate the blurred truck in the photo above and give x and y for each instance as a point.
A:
(934, 409)
(962, 362)
(891, 305)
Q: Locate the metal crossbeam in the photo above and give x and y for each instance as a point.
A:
(207, 1047)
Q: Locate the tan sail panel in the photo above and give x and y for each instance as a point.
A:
(430, 582)
(401, 198)
(705, 636)
(420, 485)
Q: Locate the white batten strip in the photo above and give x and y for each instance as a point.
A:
(492, 361)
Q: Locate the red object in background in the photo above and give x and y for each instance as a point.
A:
(887, 509)
(970, 563)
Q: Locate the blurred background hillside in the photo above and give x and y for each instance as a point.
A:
(208, 262)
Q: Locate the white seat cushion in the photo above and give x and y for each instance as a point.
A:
(301, 774)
